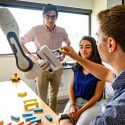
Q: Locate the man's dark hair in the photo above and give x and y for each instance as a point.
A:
(49, 7)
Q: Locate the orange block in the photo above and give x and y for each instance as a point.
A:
(1, 122)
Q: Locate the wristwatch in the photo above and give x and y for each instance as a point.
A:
(64, 116)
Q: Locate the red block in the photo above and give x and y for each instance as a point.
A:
(9, 124)
(28, 123)
(21, 123)
(35, 123)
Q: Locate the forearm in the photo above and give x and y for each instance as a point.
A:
(25, 49)
(97, 70)
(71, 91)
(71, 98)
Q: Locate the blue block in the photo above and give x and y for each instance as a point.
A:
(27, 114)
(38, 120)
(48, 117)
(38, 110)
(30, 118)
(15, 117)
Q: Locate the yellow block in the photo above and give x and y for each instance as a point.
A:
(22, 94)
(26, 106)
(30, 100)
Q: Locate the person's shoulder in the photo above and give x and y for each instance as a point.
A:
(74, 69)
(37, 27)
(60, 29)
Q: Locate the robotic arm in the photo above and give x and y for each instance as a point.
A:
(32, 69)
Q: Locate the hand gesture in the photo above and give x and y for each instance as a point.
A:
(73, 108)
(68, 50)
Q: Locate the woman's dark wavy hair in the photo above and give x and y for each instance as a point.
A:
(95, 57)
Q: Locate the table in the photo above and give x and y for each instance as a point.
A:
(12, 104)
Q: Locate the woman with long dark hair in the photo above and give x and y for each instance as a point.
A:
(85, 89)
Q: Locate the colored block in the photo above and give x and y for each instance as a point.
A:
(28, 123)
(26, 106)
(15, 78)
(15, 118)
(22, 94)
(27, 114)
(35, 120)
(1, 122)
(30, 100)
(35, 123)
(38, 110)
(21, 123)
(9, 123)
(30, 118)
(48, 117)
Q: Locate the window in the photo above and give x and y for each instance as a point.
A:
(76, 25)
(25, 18)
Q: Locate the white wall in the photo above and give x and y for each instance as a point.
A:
(111, 3)
(85, 4)
(98, 5)
(8, 67)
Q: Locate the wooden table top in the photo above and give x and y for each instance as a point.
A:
(12, 104)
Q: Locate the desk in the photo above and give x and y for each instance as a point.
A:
(11, 104)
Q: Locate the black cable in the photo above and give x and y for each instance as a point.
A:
(123, 2)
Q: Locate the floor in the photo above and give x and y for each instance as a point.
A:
(61, 105)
